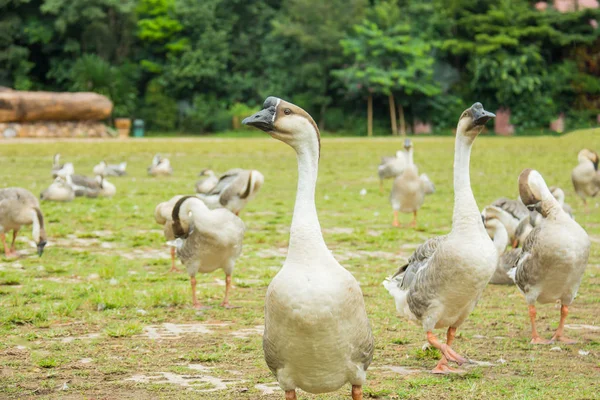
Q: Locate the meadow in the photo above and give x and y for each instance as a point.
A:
(98, 316)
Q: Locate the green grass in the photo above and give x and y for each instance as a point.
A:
(83, 313)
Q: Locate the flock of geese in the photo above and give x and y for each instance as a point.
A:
(317, 333)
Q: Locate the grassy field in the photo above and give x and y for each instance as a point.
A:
(98, 316)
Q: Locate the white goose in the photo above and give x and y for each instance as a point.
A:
(163, 216)
(585, 176)
(409, 189)
(207, 240)
(234, 190)
(59, 190)
(553, 257)
(208, 182)
(446, 275)
(104, 169)
(317, 335)
(160, 166)
(506, 258)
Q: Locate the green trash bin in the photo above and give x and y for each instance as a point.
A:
(138, 128)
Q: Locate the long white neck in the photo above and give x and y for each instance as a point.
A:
(550, 206)
(500, 238)
(306, 238)
(466, 213)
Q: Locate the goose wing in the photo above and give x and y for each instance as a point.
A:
(428, 186)
(417, 261)
(225, 180)
(523, 270)
(514, 207)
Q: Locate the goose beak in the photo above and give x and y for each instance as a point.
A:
(480, 116)
(40, 248)
(407, 144)
(262, 120)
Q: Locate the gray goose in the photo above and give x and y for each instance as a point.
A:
(585, 176)
(445, 277)
(553, 257)
(207, 183)
(206, 240)
(18, 207)
(234, 190)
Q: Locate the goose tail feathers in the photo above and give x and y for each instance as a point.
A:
(400, 298)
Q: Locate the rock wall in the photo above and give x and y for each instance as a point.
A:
(52, 129)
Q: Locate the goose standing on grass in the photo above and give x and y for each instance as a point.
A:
(160, 166)
(104, 169)
(19, 207)
(317, 335)
(234, 190)
(163, 216)
(506, 257)
(206, 240)
(59, 190)
(553, 257)
(208, 182)
(409, 189)
(391, 167)
(444, 278)
(585, 176)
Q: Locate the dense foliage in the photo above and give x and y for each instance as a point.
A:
(200, 66)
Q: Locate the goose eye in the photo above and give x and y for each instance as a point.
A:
(287, 111)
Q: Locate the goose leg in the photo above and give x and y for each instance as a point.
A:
(447, 352)
(558, 335)
(173, 267)
(197, 305)
(290, 395)
(357, 393)
(13, 251)
(225, 302)
(413, 223)
(396, 223)
(442, 367)
(535, 337)
(6, 249)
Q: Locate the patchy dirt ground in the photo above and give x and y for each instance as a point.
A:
(99, 317)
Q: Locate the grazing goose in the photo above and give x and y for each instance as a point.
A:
(391, 167)
(19, 207)
(208, 182)
(234, 190)
(59, 190)
(207, 240)
(160, 166)
(317, 335)
(163, 215)
(409, 189)
(553, 257)
(506, 258)
(585, 176)
(444, 278)
(104, 169)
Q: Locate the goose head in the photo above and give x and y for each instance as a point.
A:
(407, 144)
(38, 232)
(531, 186)
(588, 155)
(285, 121)
(206, 172)
(472, 120)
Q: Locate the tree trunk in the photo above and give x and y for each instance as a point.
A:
(393, 114)
(370, 115)
(20, 106)
(402, 121)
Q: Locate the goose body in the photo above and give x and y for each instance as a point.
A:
(207, 240)
(104, 169)
(59, 190)
(207, 183)
(19, 207)
(409, 189)
(445, 277)
(160, 166)
(91, 187)
(585, 176)
(554, 256)
(234, 189)
(317, 335)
